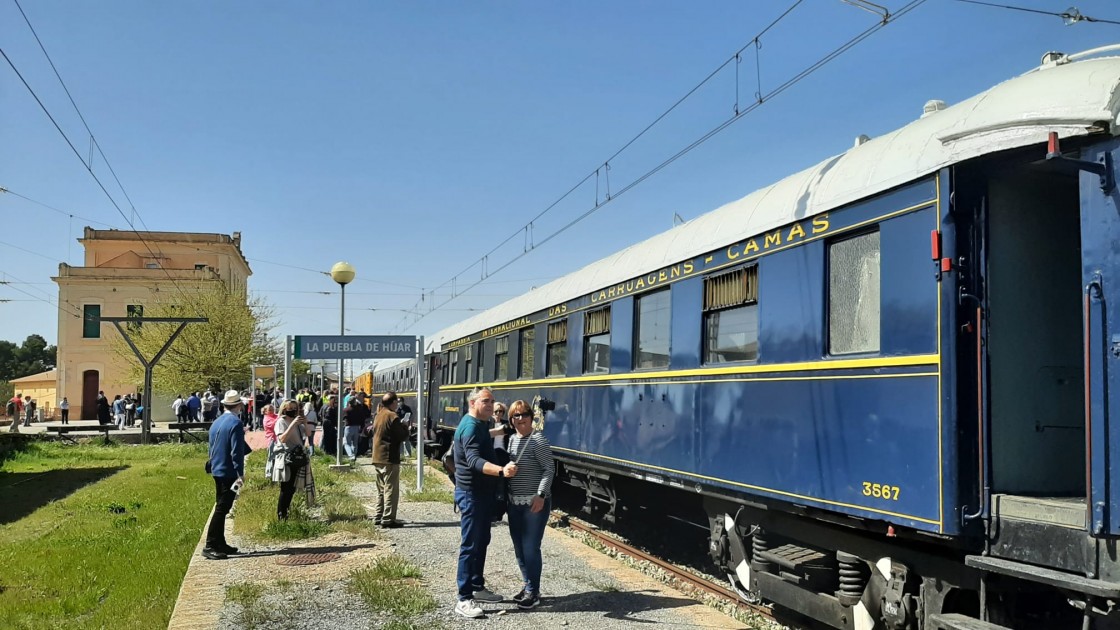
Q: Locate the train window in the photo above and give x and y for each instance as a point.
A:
(481, 369)
(454, 366)
(731, 316)
(853, 294)
(651, 331)
(468, 351)
(526, 369)
(557, 350)
(501, 358)
(597, 341)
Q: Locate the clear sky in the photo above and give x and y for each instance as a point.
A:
(409, 138)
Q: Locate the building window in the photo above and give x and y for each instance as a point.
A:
(853, 294)
(731, 316)
(597, 341)
(468, 352)
(501, 357)
(526, 370)
(651, 331)
(91, 324)
(135, 310)
(199, 266)
(454, 364)
(557, 350)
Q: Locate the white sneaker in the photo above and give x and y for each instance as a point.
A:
(469, 609)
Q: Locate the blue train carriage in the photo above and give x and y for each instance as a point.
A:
(884, 380)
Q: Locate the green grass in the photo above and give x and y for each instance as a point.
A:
(252, 612)
(392, 585)
(337, 511)
(434, 489)
(97, 536)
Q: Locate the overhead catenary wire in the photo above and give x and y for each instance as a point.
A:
(405, 324)
(1070, 15)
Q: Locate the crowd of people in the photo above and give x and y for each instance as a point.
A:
(502, 467)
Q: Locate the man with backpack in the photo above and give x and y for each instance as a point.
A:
(14, 411)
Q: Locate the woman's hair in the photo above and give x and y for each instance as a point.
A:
(519, 406)
(267, 409)
(289, 404)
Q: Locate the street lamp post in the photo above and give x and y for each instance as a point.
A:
(343, 274)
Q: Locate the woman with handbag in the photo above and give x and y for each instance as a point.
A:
(289, 456)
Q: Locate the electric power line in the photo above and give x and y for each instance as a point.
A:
(760, 100)
(1070, 15)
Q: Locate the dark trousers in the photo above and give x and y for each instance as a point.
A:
(287, 491)
(216, 532)
(474, 524)
(65, 416)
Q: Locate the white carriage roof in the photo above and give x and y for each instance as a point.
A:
(1070, 98)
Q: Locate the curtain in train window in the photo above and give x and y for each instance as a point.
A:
(501, 359)
(731, 316)
(557, 350)
(526, 368)
(853, 295)
(468, 351)
(454, 366)
(651, 332)
(597, 341)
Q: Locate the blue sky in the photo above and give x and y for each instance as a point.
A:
(409, 138)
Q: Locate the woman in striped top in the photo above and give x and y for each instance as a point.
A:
(529, 500)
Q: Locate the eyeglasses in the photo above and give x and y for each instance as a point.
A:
(499, 411)
(522, 415)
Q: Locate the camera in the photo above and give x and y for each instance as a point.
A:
(547, 405)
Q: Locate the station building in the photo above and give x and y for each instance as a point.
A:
(123, 270)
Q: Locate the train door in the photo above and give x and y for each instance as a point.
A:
(1034, 341)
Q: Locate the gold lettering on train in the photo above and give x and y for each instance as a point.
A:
(775, 238)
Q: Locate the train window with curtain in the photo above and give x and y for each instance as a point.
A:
(481, 362)
(853, 294)
(526, 367)
(597, 341)
(731, 316)
(501, 358)
(468, 352)
(651, 331)
(454, 366)
(557, 350)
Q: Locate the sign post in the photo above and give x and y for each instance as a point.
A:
(342, 347)
(419, 417)
(287, 367)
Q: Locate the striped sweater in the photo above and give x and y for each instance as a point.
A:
(535, 468)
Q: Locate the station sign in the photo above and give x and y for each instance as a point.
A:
(355, 347)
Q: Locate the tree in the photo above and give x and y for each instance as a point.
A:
(31, 357)
(214, 355)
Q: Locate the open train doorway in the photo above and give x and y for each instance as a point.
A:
(1034, 343)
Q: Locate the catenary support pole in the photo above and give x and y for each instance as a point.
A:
(418, 417)
(288, 368)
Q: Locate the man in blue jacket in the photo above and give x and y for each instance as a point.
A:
(476, 479)
(227, 465)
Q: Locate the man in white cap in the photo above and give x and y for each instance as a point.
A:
(227, 466)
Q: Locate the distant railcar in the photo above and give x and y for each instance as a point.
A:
(888, 380)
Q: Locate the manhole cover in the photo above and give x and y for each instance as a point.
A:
(308, 558)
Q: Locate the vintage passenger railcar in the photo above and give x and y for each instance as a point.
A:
(889, 379)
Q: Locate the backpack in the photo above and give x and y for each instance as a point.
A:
(11, 408)
(448, 461)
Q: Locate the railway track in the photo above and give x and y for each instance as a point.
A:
(677, 575)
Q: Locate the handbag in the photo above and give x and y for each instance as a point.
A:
(295, 456)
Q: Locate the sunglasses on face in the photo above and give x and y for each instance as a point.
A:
(521, 415)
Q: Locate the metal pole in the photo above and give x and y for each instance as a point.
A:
(288, 366)
(146, 417)
(342, 332)
(419, 415)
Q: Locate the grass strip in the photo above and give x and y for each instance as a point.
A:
(392, 585)
(97, 536)
(337, 509)
(434, 489)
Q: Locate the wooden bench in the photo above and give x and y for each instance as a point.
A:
(185, 429)
(62, 429)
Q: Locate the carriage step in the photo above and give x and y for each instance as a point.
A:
(1042, 575)
(956, 621)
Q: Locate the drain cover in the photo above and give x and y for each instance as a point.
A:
(308, 558)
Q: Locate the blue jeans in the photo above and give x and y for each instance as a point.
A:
(351, 441)
(474, 524)
(526, 530)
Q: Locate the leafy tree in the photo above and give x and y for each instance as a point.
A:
(30, 357)
(214, 355)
